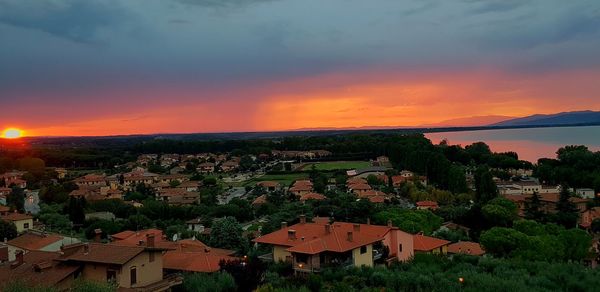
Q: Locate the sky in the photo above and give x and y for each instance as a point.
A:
(111, 67)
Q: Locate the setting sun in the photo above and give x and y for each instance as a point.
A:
(12, 133)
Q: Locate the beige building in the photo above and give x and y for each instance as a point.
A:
(23, 222)
(313, 246)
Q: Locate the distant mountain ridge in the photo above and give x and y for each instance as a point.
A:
(564, 118)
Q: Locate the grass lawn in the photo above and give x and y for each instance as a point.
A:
(335, 165)
(284, 179)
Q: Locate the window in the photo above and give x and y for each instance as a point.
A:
(111, 275)
(151, 255)
(400, 247)
(133, 275)
(363, 249)
(26, 225)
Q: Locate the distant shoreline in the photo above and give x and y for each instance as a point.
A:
(316, 133)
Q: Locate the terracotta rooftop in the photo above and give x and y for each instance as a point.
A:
(268, 184)
(356, 180)
(301, 188)
(466, 247)
(15, 216)
(38, 268)
(303, 183)
(371, 193)
(101, 253)
(313, 238)
(426, 204)
(426, 243)
(200, 262)
(359, 187)
(262, 199)
(34, 241)
(377, 199)
(133, 238)
(312, 196)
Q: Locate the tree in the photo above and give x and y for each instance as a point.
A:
(411, 221)
(566, 212)
(209, 282)
(8, 230)
(502, 241)
(138, 222)
(500, 212)
(533, 207)
(226, 233)
(576, 243)
(16, 198)
(76, 210)
(246, 162)
(485, 187)
(457, 181)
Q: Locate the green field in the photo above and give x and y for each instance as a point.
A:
(335, 165)
(284, 179)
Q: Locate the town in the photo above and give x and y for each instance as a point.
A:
(262, 218)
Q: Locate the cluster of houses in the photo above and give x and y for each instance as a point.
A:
(177, 163)
(521, 191)
(176, 189)
(357, 185)
(310, 154)
(134, 260)
(312, 246)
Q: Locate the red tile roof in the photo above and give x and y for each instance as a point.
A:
(359, 187)
(356, 180)
(34, 241)
(466, 247)
(312, 196)
(262, 199)
(38, 268)
(15, 217)
(133, 238)
(377, 199)
(201, 262)
(268, 184)
(427, 204)
(313, 238)
(4, 209)
(426, 243)
(101, 253)
(301, 188)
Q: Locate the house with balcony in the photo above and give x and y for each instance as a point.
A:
(311, 246)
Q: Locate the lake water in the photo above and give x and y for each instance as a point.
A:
(530, 144)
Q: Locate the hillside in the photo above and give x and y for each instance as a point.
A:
(565, 118)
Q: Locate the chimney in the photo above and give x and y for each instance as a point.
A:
(390, 223)
(97, 235)
(302, 219)
(368, 221)
(283, 224)
(207, 249)
(86, 249)
(150, 240)
(350, 236)
(356, 227)
(291, 234)
(327, 228)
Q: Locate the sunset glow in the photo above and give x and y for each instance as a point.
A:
(261, 65)
(12, 133)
